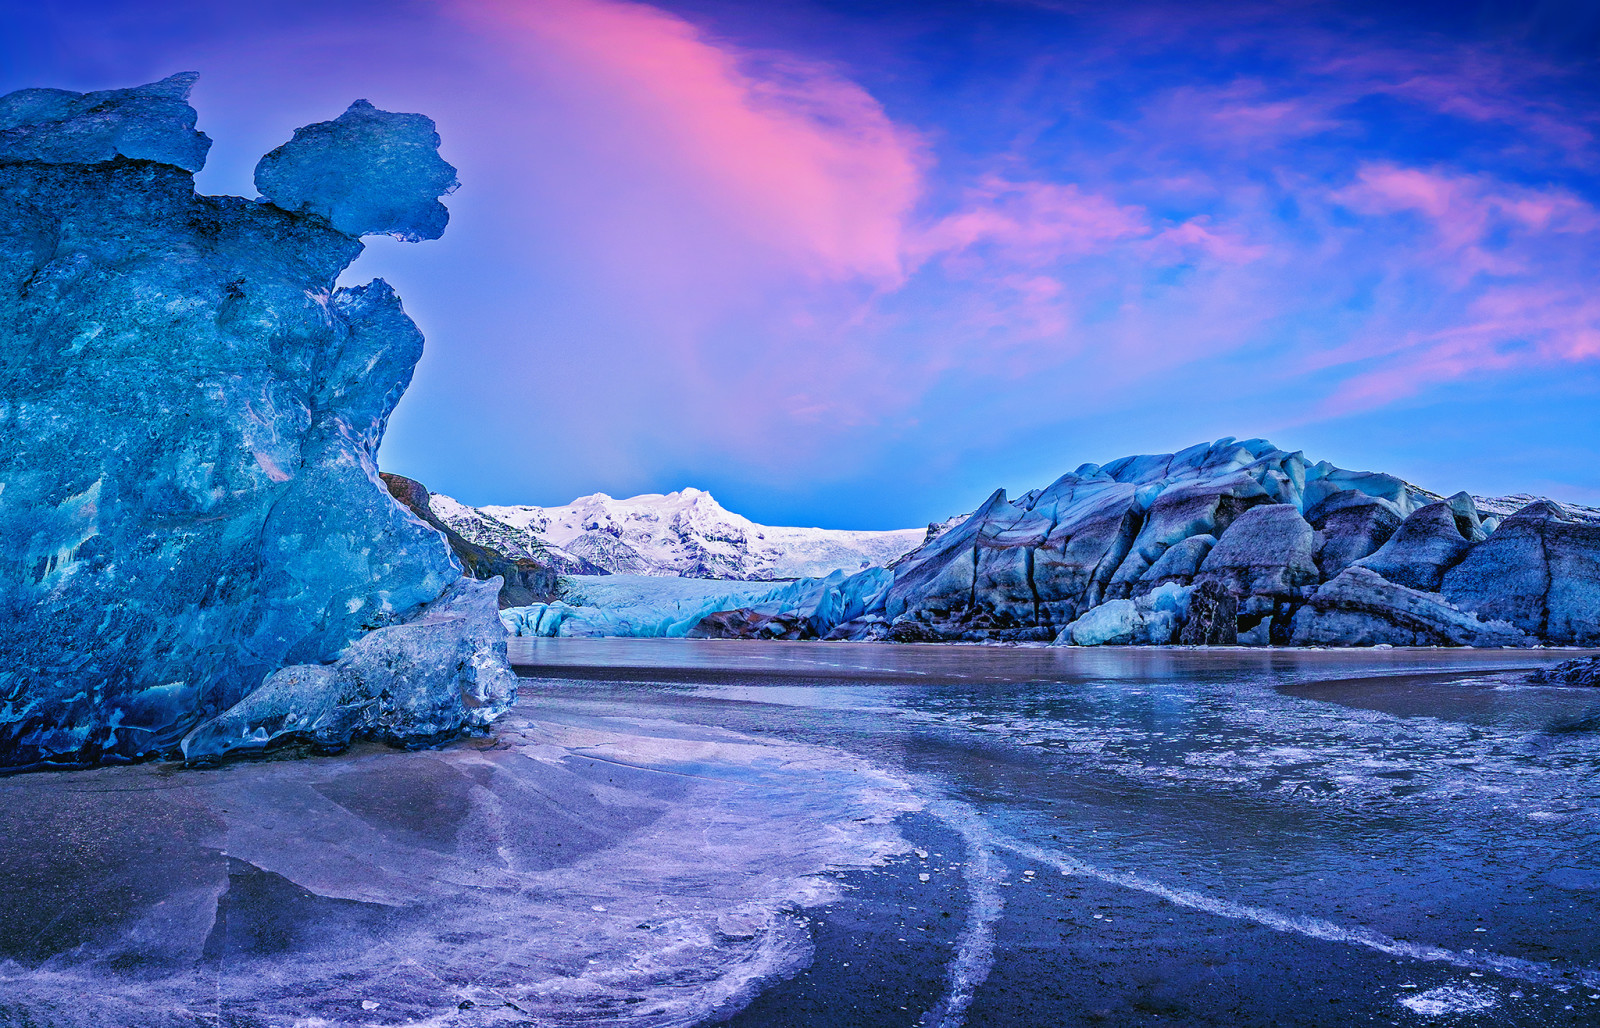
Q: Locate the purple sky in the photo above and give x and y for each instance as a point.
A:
(857, 264)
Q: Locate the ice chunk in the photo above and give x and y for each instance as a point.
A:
(1359, 608)
(191, 411)
(146, 123)
(423, 679)
(367, 172)
(1152, 620)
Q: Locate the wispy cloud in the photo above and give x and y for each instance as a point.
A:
(802, 158)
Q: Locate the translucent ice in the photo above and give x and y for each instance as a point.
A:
(146, 123)
(368, 172)
(190, 409)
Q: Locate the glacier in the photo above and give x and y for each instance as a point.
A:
(1223, 542)
(190, 508)
(650, 606)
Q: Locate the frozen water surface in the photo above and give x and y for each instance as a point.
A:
(767, 834)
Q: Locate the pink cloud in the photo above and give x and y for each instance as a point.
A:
(1032, 223)
(1197, 236)
(805, 161)
(1465, 211)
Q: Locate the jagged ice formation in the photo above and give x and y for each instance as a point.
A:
(188, 497)
(1222, 542)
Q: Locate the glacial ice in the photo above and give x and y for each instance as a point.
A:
(367, 172)
(653, 606)
(191, 408)
(1262, 543)
(1153, 619)
(417, 681)
(146, 123)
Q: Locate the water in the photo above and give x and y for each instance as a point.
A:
(1213, 837)
(677, 832)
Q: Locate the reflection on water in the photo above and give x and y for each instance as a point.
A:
(1405, 833)
(673, 832)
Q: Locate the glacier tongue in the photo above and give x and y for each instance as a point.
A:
(1219, 542)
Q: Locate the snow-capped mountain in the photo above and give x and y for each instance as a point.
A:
(686, 534)
(1502, 506)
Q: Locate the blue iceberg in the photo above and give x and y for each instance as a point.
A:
(188, 495)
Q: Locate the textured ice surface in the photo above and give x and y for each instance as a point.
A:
(654, 606)
(1268, 526)
(190, 410)
(1450, 999)
(1151, 620)
(146, 123)
(1258, 831)
(588, 872)
(368, 172)
(420, 680)
(1360, 608)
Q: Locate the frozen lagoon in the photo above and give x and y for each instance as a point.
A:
(678, 832)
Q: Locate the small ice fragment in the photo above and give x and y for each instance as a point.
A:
(922, 877)
(1027, 874)
(598, 908)
(369, 1004)
(1480, 929)
(1449, 999)
(922, 854)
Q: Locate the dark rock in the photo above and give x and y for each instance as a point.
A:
(1213, 617)
(1540, 570)
(744, 623)
(525, 581)
(1583, 671)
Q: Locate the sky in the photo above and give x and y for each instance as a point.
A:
(857, 264)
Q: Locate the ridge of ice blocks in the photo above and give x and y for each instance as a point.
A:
(191, 407)
(1221, 542)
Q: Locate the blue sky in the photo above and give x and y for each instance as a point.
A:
(857, 264)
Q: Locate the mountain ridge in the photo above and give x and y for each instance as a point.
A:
(685, 533)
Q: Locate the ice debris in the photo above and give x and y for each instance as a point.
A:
(191, 409)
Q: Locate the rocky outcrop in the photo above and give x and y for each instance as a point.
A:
(745, 623)
(191, 408)
(524, 581)
(1540, 570)
(1361, 608)
(1213, 617)
(1584, 671)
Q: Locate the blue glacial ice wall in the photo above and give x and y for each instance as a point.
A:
(191, 410)
(652, 606)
